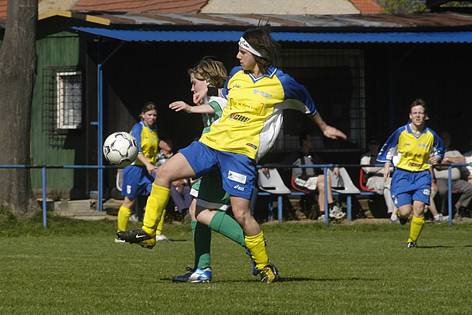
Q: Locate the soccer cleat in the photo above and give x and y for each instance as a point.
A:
(138, 237)
(118, 238)
(134, 236)
(393, 218)
(195, 276)
(336, 213)
(269, 274)
(411, 245)
(440, 218)
(161, 238)
(149, 244)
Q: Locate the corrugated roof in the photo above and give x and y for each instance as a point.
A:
(312, 37)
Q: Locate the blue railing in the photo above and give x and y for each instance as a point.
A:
(325, 168)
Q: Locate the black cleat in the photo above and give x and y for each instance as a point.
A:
(269, 274)
(403, 221)
(134, 236)
(411, 245)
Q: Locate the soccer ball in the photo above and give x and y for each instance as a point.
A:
(120, 149)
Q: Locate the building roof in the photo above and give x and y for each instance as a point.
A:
(208, 6)
(368, 6)
(377, 22)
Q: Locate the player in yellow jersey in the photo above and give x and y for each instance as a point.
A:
(138, 177)
(417, 148)
(256, 92)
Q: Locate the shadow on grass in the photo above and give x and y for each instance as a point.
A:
(284, 279)
(442, 246)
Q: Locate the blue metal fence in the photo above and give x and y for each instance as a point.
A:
(325, 168)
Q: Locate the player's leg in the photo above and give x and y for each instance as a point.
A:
(123, 214)
(238, 177)
(211, 195)
(417, 223)
(130, 185)
(201, 272)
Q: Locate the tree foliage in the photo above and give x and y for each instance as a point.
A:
(17, 69)
(403, 6)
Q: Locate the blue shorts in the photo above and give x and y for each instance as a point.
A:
(408, 186)
(238, 172)
(136, 182)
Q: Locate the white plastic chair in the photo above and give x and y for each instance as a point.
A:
(271, 182)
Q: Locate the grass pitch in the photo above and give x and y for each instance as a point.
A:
(75, 268)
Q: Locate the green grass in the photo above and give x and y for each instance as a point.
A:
(75, 268)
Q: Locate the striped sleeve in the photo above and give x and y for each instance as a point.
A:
(390, 147)
(438, 146)
(136, 133)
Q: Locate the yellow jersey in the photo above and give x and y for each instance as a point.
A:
(147, 141)
(251, 120)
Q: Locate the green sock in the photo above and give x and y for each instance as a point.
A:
(226, 225)
(202, 242)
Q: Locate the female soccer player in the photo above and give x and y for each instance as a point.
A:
(249, 125)
(206, 79)
(138, 177)
(418, 148)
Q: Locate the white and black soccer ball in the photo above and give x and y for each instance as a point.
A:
(120, 149)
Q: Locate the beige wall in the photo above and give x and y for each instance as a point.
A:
(280, 7)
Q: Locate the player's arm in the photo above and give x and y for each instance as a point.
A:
(199, 109)
(438, 151)
(149, 166)
(328, 131)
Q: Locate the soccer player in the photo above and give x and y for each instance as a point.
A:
(207, 78)
(418, 147)
(138, 177)
(256, 91)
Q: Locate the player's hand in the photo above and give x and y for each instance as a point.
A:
(333, 133)
(179, 106)
(434, 160)
(151, 168)
(199, 96)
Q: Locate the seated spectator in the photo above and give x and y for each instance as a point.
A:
(459, 185)
(313, 178)
(375, 178)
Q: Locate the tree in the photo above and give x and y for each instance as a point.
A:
(403, 6)
(17, 70)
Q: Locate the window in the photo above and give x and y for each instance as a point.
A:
(69, 100)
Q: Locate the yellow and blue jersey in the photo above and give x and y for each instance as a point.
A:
(413, 151)
(147, 141)
(252, 118)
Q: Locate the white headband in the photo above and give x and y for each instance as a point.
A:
(245, 45)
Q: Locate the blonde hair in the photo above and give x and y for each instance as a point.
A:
(210, 70)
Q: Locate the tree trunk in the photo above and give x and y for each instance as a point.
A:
(17, 70)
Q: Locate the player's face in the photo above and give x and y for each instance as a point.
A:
(417, 115)
(149, 117)
(199, 87)
(246, 59)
